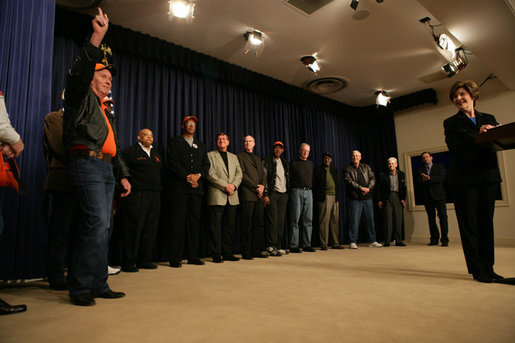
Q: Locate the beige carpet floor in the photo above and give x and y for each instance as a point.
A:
(412, 294)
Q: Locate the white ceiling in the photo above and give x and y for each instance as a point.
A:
(389, 49)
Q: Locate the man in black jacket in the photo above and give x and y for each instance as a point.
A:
(392, 195)
(141, 209)
(187, 167)
(326, 192)
(360, 181)
(251, 202)
(90, 138)
(276, 197)
(431, 178)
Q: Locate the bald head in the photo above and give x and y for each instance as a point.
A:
(146, 137)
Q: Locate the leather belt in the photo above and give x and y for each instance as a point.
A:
(90, 153)
(304, 188)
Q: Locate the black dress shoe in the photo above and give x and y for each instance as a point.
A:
(495, 276)
(324, 247)
(84, 299)
(175, 264)
(295, 250)
(485, 278)
(445, 244)
(247, 256)
(58, 285)
(260, 255)
(196, 262)
(432, 243)
(231, 258)
(386, 245)
(339, 246)
(147, 265)
(110, 294)
(400, 244)
(308, 249)
(129, 268)
(217, 259)
(6, 308)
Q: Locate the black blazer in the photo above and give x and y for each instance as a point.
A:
(470, 163)
(184, 160)
(432, 188)
(384, 186)
(320, 180)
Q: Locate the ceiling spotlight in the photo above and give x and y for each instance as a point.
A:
(354, 4)
(382, 98)
(255, 41)
(445, 43)
(311, 63)
(182, 9)
(459, 62)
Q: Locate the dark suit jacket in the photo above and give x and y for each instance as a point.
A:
(320, 180)
(470, 163)
(145, 171)
(432, 188)
(57, 179)
(184, 160)
(253, 175)
(384, 186)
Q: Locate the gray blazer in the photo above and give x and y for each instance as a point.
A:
(219, 177)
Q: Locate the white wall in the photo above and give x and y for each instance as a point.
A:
(422, 129)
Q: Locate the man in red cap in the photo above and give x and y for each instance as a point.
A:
(188, 165)
(90, 138)
(276, 198)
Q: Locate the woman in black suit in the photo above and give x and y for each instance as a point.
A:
(475, 178)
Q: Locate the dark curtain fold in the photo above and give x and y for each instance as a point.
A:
(26, 40)
(159, 83)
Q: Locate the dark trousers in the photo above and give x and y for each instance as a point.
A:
(185, 222)
(475, 206)
(222, 220)
(432, 207)
(251, 226)
(62, 224)
(93, 185)
(275, 215)
(393, 218)
(140, 222)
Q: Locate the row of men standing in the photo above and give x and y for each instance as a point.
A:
(91, 150)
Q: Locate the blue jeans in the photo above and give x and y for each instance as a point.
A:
(355, 209)
(93, 185)
(301, 207)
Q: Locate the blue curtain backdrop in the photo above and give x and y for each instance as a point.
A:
(159, 83)
(26, 40)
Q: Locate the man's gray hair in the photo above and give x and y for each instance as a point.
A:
(392, 159)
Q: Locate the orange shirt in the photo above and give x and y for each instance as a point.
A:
(109, 147)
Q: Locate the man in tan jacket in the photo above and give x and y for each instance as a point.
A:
(224, 179)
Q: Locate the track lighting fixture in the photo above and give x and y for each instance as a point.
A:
(182, 9)
(382, 98)
(255, 41)
(311, 63)
(459, 62)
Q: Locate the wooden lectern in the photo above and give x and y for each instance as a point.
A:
(500, 138)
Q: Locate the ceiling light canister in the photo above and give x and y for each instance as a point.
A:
(311, 63)
(382, 98)
(182, 9)
(255, 41)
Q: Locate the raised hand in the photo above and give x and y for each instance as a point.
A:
(100, 25)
